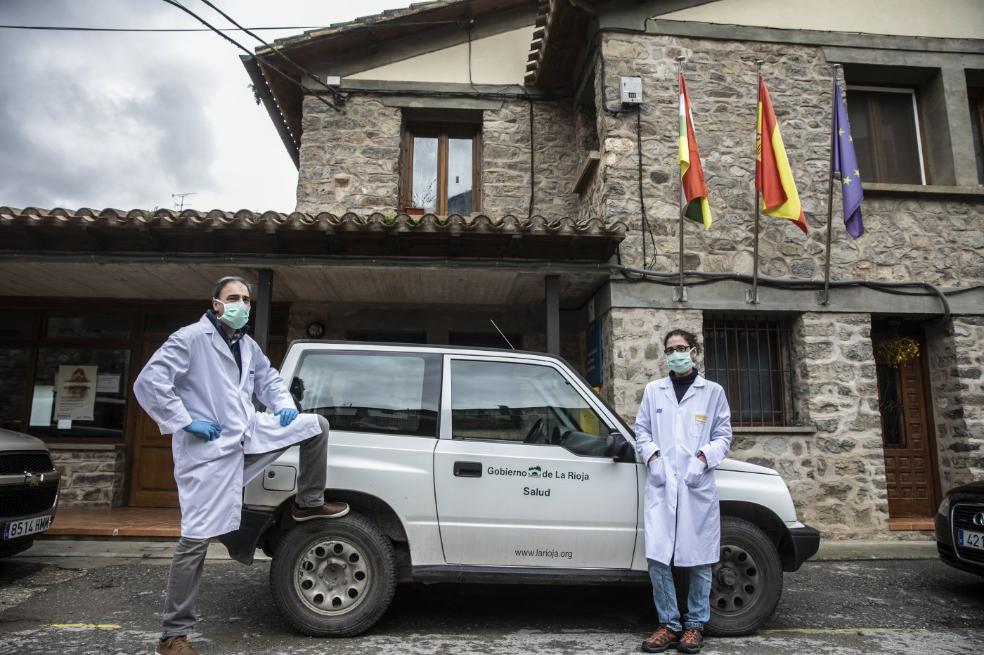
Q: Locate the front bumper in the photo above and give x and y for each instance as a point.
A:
(805, 542)
(947, 553)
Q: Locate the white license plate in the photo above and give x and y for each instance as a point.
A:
(968, 539)
(15, 529)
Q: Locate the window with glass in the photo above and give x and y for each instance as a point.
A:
(441, 168)
(79, 392)
(380, 393)
(885, 130)
(523, 403)
(749, 358)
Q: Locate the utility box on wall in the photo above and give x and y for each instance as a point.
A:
(631, 90)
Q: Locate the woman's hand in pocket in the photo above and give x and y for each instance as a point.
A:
(696, 470)
(657, 471)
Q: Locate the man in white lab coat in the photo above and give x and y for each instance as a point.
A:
(683, 431)
(199, 387)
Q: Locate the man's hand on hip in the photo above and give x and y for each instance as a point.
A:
(204, 430)
(286, 415)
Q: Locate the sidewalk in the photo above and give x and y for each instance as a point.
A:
(47, 547)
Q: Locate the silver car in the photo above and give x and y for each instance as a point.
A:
(28, 491)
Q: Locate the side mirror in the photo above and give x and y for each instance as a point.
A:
(618, 448)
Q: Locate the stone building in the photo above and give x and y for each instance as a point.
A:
(466, 162)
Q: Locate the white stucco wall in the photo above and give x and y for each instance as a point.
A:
(938, 18)
(498, 59)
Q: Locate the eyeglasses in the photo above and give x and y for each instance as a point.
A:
(678, 349)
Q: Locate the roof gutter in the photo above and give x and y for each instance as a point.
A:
(262, 92)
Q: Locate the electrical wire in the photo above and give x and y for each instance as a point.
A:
(74, 28)
(240, 46)
(646, 229)
(532, 162)
(338, 96)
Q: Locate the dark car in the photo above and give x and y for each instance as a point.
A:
(28, 491)
(960, 528)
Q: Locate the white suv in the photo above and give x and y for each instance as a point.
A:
(467, 464)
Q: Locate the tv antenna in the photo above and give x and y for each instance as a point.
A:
(179, 199)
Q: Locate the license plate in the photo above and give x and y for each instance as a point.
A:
(15, 529)
(968, 539)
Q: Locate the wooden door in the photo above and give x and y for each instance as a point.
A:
(907, 428)
(152, 468)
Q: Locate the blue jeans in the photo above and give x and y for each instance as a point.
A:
(698, 598)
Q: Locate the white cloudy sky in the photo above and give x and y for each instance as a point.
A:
(126, 119)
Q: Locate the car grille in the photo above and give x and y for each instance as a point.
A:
(962, 516)
(23, 501)
(17, 463)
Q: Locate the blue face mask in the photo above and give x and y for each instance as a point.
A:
(234, 314)
(680, 363)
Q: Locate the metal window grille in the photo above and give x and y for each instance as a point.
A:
(749, 358)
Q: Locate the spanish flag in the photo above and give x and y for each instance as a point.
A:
(773, 177)
(695, 206)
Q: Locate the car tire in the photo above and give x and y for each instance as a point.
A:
(333, 577)
(747, 581)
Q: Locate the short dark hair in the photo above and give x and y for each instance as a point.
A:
(227, 280)
(689, 337)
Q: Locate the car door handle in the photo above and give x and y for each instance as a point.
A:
(468, 469)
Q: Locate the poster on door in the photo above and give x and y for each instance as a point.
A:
(75, 393)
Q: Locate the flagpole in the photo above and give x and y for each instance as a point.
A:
(751, 296)
(681, 294)
(825, 295)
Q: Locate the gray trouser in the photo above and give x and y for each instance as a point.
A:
(185, 576)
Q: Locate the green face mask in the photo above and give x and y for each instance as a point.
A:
(680, 363)
(234, 314)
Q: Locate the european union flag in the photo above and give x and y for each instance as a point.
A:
(844, 164)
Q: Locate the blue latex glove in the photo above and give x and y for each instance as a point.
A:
(204, 430)
(286, 415)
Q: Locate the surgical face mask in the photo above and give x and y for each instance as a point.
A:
(680, 363)
(234, 314)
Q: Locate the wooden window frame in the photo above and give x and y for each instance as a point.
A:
(443, 132)
(915, 122)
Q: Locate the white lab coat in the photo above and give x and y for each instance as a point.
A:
(682, 511)
(194, 376)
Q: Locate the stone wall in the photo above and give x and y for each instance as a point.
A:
(350, 160)
(90, 478)
(837, 475)
(956, 362)
(506, 160)
(917, 237)
(635, 355)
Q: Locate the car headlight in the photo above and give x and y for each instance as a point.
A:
(944, 509)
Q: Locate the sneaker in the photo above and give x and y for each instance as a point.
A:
(661, 640)
(329, 510)
(691, 641)
(176, 645)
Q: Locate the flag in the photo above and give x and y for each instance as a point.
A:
(773, 176)
(844, 163)
(692, 186)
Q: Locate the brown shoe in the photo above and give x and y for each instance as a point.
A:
(692, 641)
(329, 510)
(661, 640)
(176, 645)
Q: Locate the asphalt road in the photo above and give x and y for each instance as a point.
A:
(110, 605)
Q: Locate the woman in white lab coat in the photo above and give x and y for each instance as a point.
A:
(683, 431)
